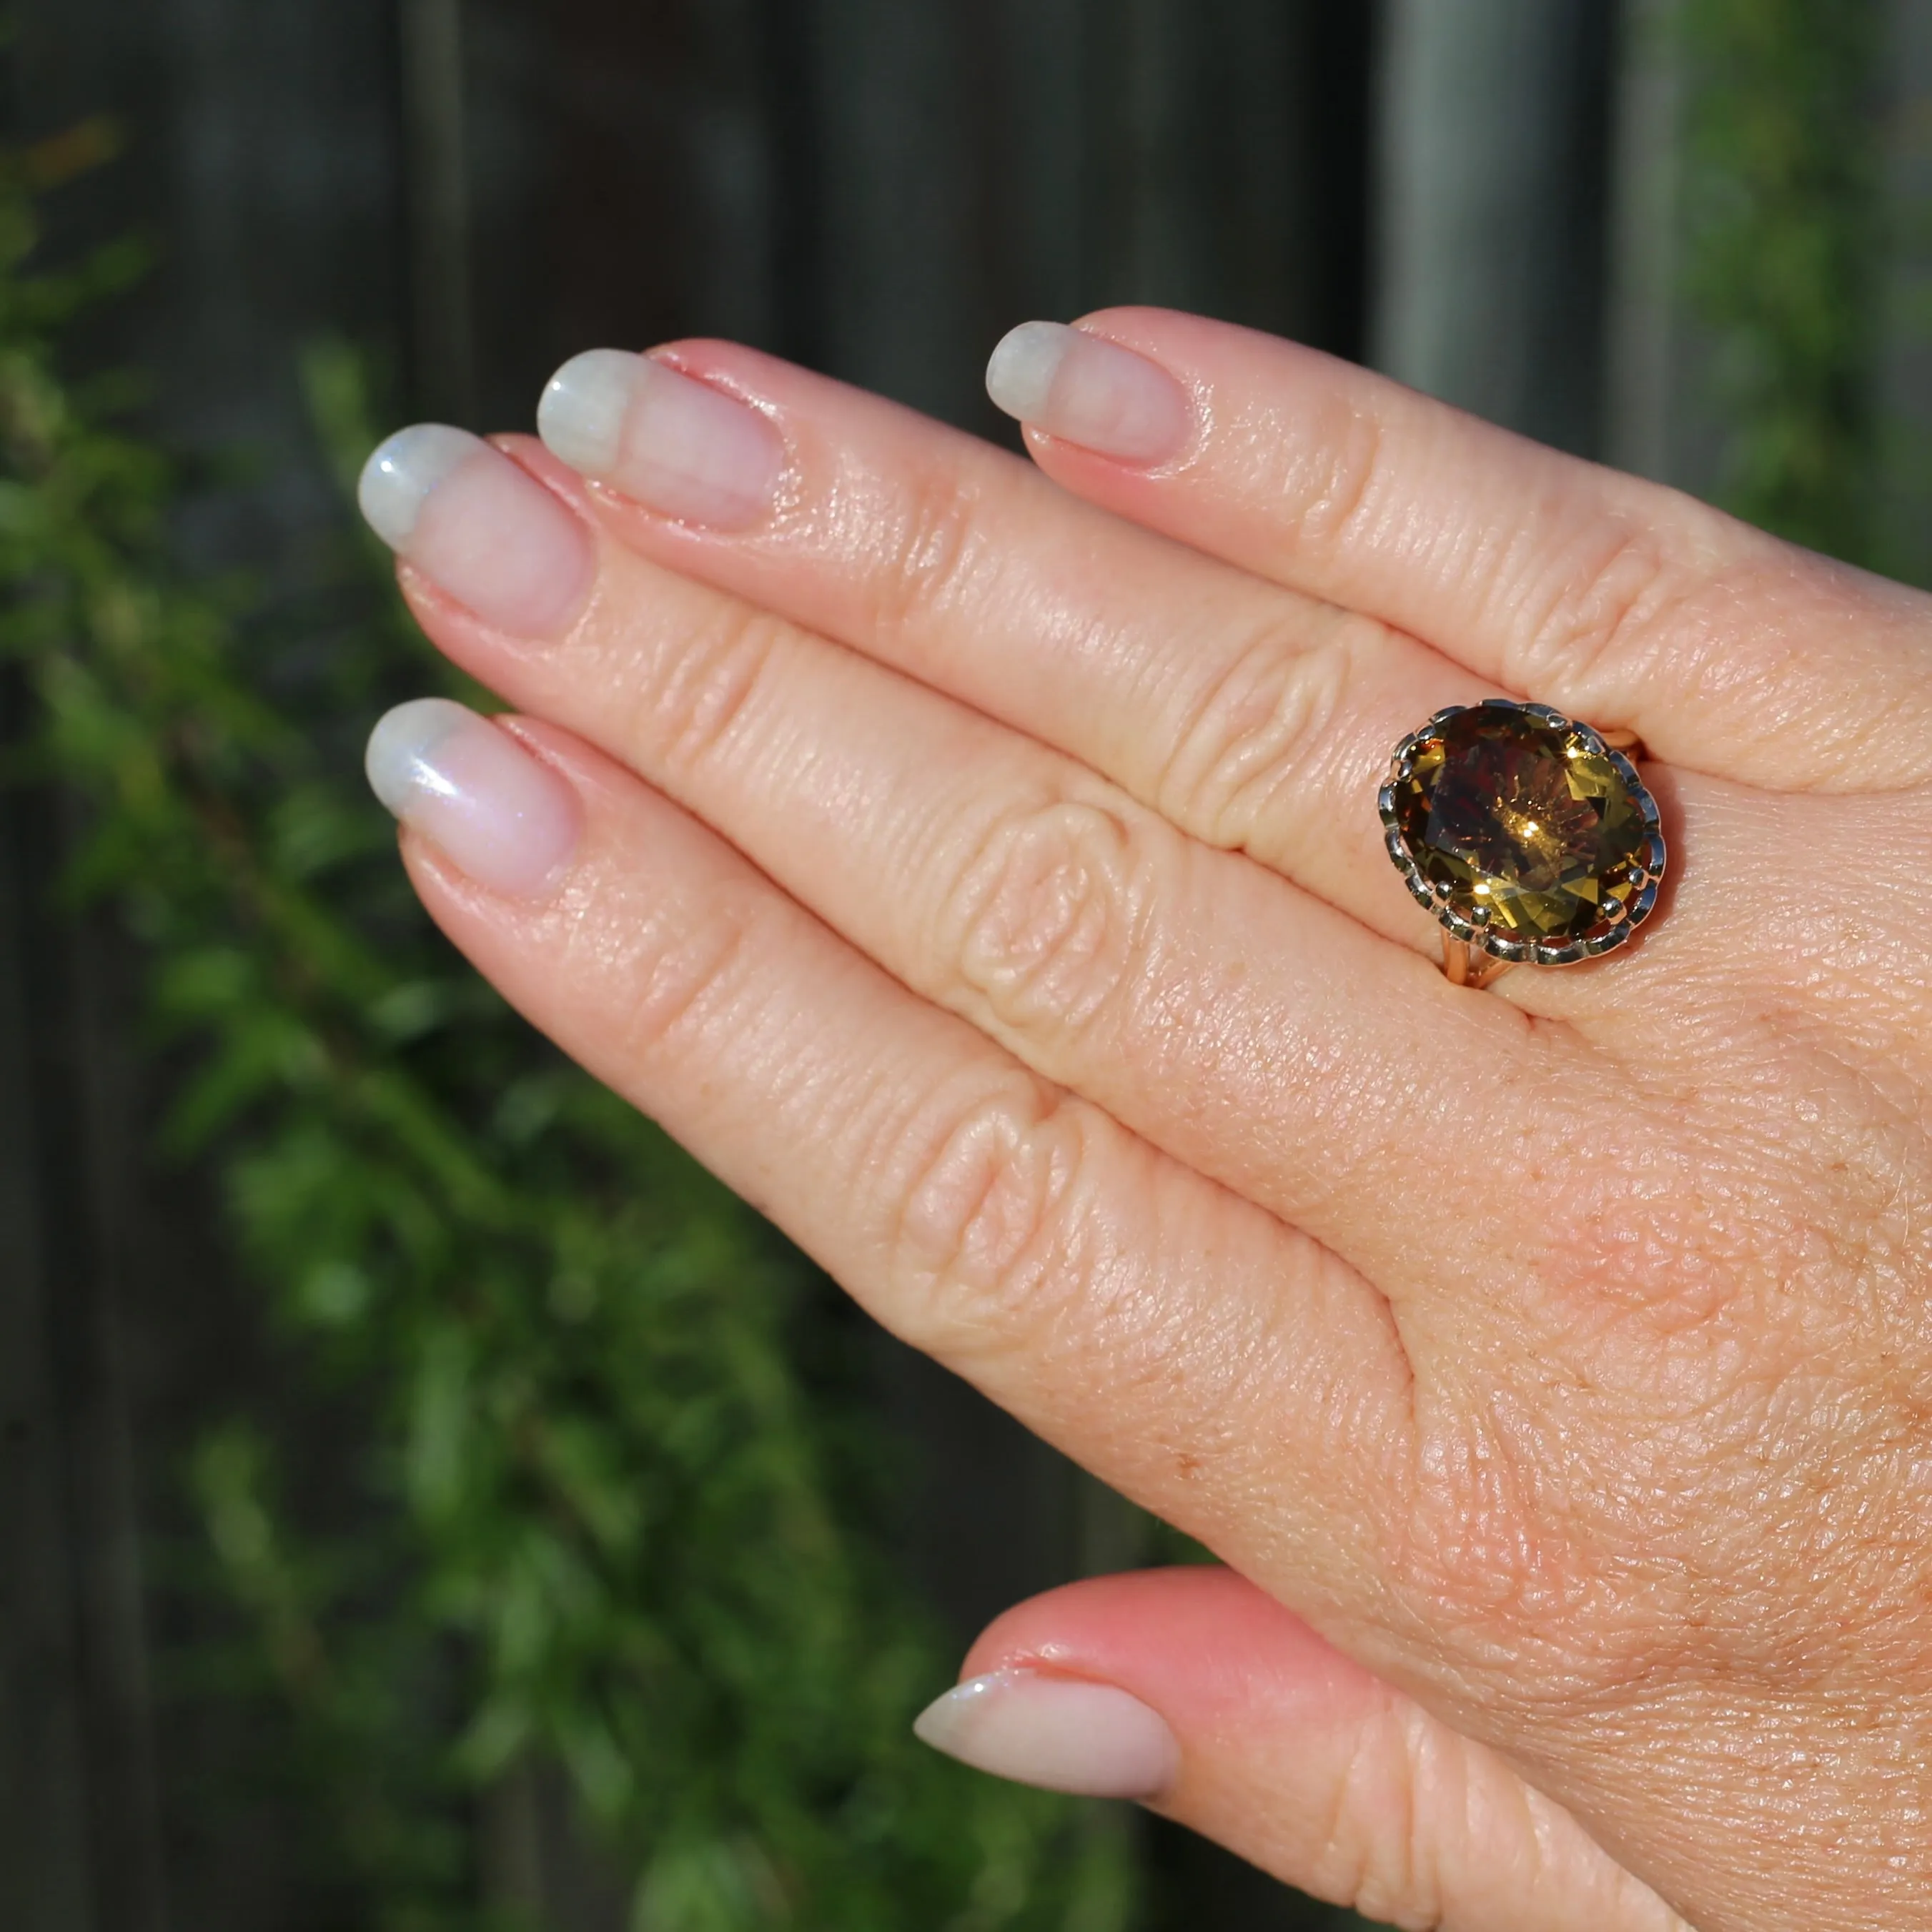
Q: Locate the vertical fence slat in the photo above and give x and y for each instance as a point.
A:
(435, 120)
(46, 1881)
(1489, 278)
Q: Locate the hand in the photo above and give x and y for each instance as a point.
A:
(980, 870)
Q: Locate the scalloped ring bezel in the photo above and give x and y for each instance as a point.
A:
(1616, 929)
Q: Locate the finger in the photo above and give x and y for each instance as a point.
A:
(1251, 1031)
(1613, 599)
(1251, 717)
(1182, 1342)
(1192, 1691)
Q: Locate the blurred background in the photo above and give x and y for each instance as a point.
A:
(426, 1501)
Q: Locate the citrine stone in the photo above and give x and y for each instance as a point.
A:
(1525, 827)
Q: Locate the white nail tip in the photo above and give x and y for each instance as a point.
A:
(397, 480)
(496, 812)
(581, 416)
(1060, 1733)
(399, 761)
(1019, 378)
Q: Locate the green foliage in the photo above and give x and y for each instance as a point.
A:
(588, 1511)
(1782, 247)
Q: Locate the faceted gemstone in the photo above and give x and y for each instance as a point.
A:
(1535, 835)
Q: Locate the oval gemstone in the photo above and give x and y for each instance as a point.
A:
(1535, 834)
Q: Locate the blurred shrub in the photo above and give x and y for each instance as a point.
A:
(598, 1518)
(1783, 244)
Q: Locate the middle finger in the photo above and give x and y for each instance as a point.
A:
(1261, 1036)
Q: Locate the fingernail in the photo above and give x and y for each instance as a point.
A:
(677, 446)
(1090, 391)
(509, 823)
(1060, 1733)
(480, 529)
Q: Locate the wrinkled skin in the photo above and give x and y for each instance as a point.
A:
(981, 872)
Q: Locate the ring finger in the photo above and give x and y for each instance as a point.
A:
(1251, 717)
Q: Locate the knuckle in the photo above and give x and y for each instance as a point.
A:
(1613, 611)
(1263, 725)
(1381, 1822)
(1334, 488)
(710, 684)
(988, 1220)
(675, 982)
(1046, 919)
(928, 556)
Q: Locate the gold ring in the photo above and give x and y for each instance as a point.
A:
(1528, 837)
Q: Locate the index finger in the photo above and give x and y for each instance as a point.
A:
(1193, 1351)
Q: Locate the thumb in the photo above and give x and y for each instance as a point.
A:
(1191, 1690)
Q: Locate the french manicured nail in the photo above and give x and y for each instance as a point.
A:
(497, 814)
(1060, 1733)
(678, 447)
(480, 529)
(1090, 391)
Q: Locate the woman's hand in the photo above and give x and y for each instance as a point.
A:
(982, 873)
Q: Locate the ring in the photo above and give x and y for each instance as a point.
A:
(1529, 837)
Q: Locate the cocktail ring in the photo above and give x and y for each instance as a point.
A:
(1529, 838)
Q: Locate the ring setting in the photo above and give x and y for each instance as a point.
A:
(1529, 837)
